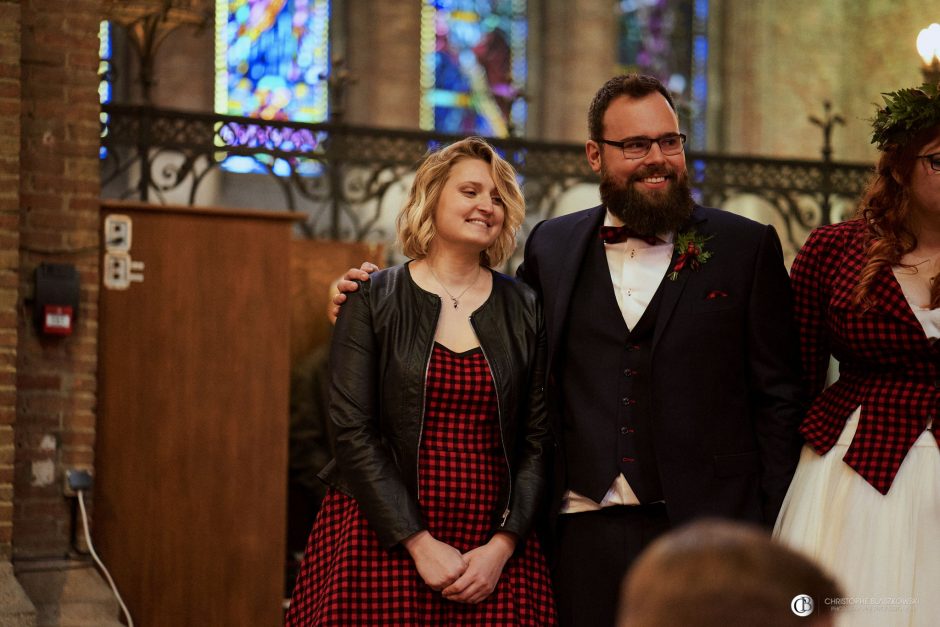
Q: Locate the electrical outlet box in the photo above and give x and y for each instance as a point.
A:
(117, 233)
(77, 479)
(117, 271)
(120, 271)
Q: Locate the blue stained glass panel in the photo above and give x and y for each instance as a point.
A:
(474, 66)
(105, 88)
(667, 39)
(270, 58)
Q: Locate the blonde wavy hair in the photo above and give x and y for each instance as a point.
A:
(415, 223)
(886, 210)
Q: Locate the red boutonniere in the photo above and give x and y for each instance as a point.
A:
(692, 253)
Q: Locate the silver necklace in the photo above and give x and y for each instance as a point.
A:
(455, 299)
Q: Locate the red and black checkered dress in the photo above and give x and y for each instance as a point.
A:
(348, 578)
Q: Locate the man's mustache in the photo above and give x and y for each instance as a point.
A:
(649, 171)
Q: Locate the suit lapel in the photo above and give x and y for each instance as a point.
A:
(672, 290)
(580, 236)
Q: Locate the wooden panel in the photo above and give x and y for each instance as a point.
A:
(315, 265)
(192, 427)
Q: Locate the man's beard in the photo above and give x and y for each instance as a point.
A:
(648, 213)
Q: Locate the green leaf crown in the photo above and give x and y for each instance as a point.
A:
(906, 113)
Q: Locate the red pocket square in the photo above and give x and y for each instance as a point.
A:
(712, 295)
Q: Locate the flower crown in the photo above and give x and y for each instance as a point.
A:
(906, 113)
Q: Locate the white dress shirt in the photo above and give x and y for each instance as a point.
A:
(636, 270)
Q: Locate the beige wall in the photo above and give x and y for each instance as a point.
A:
(780, 61)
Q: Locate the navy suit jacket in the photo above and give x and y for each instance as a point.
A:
(725, 390)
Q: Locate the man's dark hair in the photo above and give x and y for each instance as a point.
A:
(633, 85)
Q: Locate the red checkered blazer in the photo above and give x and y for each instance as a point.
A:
(887, 365)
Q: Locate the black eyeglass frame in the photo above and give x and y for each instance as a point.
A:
(651, 140)
(933, 160)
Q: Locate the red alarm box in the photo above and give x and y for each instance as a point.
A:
(57, 320)
(55, 305)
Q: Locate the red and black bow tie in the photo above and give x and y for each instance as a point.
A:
(617, 234)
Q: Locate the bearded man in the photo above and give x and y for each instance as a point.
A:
(673, 383)
(673, 373)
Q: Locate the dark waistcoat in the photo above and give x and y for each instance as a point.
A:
(604, 375)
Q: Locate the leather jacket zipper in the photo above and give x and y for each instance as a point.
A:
(499, 417)
(424, 404)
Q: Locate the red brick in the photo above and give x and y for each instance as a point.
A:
(9, 169)
(88, 125)
(84, 239)
(43, 201)
(44, 91)
(41, 403)
(77, 439)
(48, 382)
(42, 241)
(83, 60)
(61, 220)
(84, 422)
(46, 508)
(43, 20)
(86, 168)
(84, 383)
(10, 89)
(9, 108)
(77, 457)
(39, 110)
(9, 70)
(43, 160)
(86, 203)
(9, 38)
(64, 185)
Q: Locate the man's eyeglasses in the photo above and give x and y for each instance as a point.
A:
(639, 147)
(932, 159)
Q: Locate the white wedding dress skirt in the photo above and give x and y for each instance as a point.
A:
(884, 550)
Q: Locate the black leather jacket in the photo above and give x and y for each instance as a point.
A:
(381, 350)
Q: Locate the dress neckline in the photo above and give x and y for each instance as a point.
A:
(466, 353)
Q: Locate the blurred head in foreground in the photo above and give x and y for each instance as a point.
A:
(718, 574)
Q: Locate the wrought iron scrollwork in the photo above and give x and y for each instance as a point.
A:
(344, 177)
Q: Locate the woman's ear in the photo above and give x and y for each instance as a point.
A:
(897, 177)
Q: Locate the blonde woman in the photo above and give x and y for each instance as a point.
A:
(439, 421)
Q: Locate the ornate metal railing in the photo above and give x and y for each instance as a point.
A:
(342, 176)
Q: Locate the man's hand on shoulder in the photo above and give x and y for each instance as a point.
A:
(348, 284)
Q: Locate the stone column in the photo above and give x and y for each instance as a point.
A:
(381, 43)
(579, 53)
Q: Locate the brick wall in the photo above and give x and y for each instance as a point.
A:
(9, 255)
(58, 222)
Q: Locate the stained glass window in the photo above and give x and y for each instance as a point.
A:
(473, 66)
(270, 55)
(104, 76)
(667, 39)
